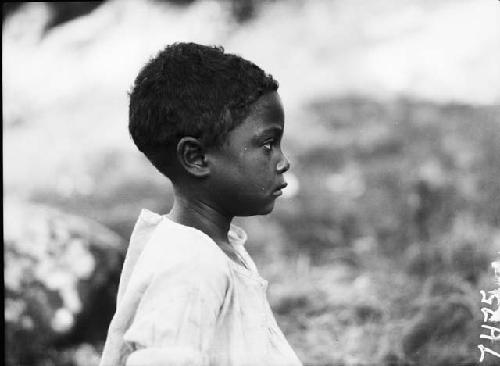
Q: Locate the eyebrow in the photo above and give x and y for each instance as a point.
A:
(271, 129)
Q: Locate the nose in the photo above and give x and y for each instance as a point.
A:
(283, 164)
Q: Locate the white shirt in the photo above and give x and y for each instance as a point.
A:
(182, 300)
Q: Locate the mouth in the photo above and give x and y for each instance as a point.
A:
(278, 191)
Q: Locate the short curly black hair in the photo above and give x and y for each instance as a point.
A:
(193, 90)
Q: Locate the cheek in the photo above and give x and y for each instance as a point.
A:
(249, 172)
(261, 174)
(258, 162)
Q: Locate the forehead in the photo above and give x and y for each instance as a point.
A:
(267, 109)
(265, 117)
(266, 112)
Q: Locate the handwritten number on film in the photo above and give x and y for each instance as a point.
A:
(489, 315)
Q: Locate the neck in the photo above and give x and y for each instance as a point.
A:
(194, 212)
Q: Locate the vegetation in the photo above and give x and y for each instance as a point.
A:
(392, 233)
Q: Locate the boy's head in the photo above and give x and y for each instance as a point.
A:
(188, 106)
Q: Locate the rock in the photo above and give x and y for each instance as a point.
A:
(57, 269)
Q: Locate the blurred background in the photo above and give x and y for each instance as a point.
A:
(377, 251)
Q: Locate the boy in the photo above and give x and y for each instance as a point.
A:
(189, 293)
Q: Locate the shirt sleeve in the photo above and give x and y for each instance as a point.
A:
(180, 307)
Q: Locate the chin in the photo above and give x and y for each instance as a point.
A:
(264, 210)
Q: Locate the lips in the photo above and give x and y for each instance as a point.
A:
(278, 191)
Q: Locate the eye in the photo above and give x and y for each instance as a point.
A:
(268, 146)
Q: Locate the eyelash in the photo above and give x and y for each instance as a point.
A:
(270, 143)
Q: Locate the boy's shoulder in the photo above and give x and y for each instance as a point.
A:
(171, 245)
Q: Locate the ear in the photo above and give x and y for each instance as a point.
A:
(191, 156)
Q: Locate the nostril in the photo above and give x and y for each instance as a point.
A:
(283, 165)
(287, 164)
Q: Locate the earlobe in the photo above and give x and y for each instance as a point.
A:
(191, 156)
